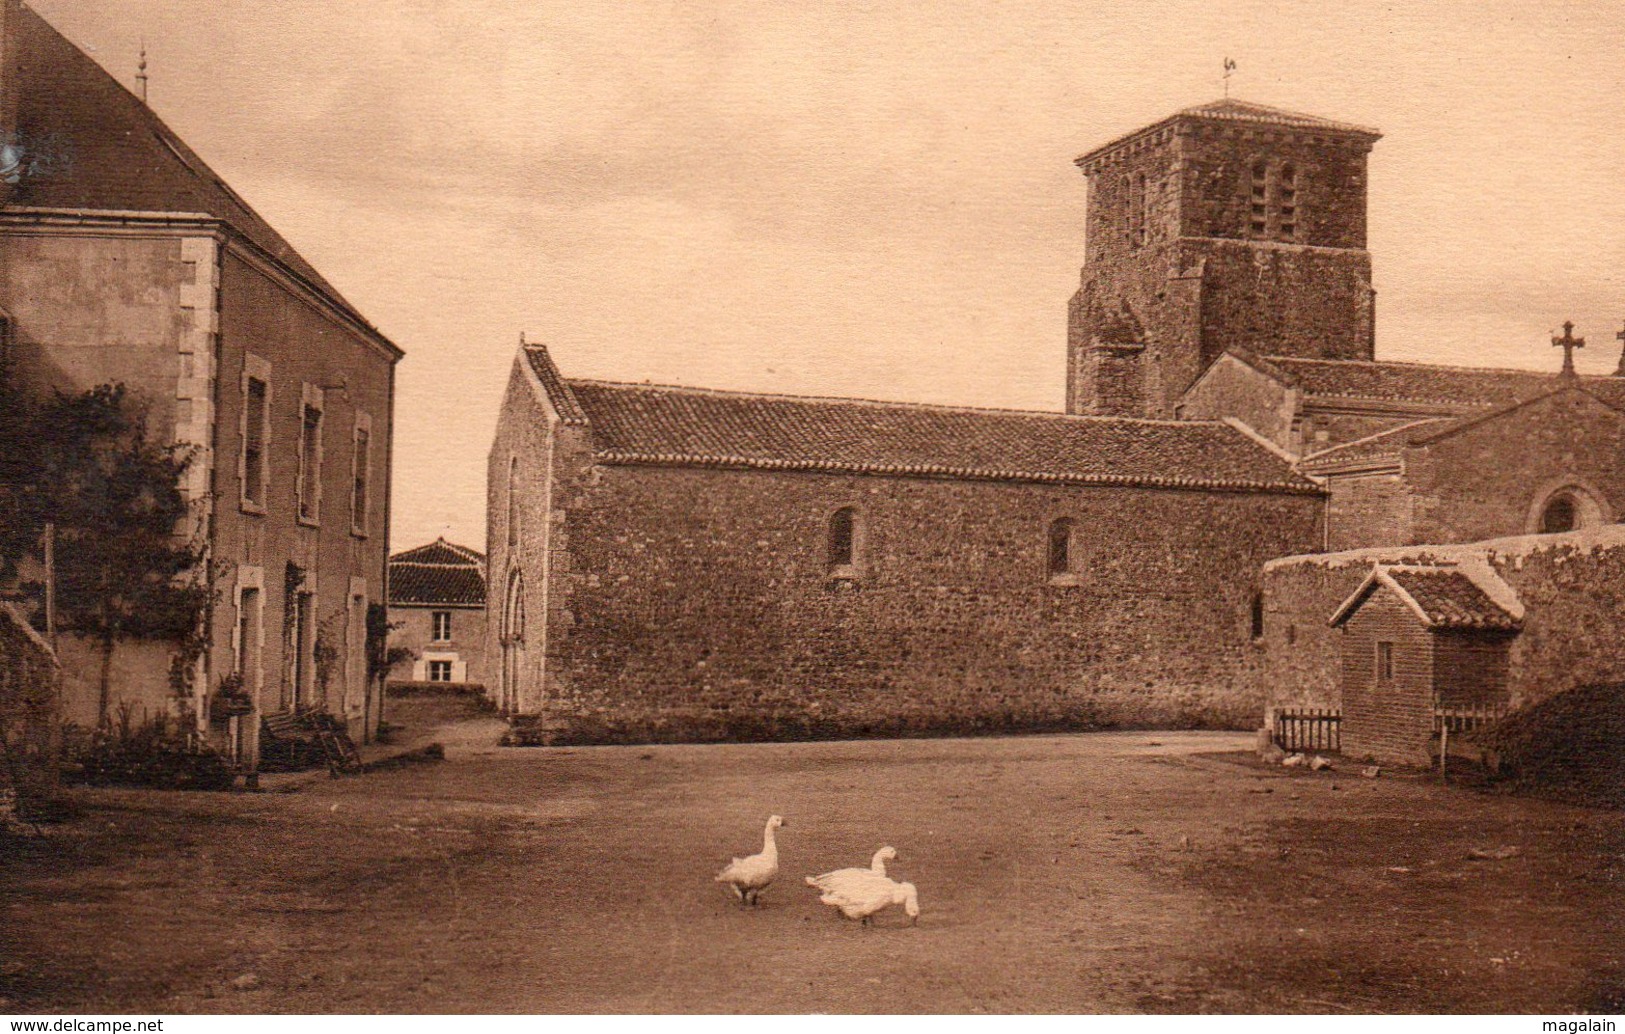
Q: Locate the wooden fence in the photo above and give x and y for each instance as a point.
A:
(1312, 728)
(1467, 718)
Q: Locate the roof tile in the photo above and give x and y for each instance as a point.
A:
(694, 427)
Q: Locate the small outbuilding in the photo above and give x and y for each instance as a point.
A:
(1420, 644)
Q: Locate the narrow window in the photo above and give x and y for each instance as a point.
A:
(1385, 661)
(442, 626)
(513, 502)
(310, 462)
(439, 671)
(842, 537)
(256, 420)
(1286, 201)
(361, 475)
(1258, 615)
(1060, 546)
(1260, 199)
(1559, 516)
(1141, 205)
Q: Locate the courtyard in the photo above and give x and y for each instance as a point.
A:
(1107, 872)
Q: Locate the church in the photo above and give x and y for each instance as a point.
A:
(674, 563)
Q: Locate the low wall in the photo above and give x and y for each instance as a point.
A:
(1572, 587)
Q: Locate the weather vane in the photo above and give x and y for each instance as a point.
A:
(141, 72)
(1229, 66)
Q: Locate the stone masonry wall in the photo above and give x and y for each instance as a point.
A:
(697, 604)
(1367, 510)
(1572, 587)
(1231, 388)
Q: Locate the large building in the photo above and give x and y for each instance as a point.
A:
(125, 258)
(674, 562)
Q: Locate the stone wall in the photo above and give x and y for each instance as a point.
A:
(691, 603)
(1572, 587)
(1231, 388)
(1367, 509)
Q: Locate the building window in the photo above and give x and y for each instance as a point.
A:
(1385, 661)
(439, 671)
(843, 540)
(442, 626)
(361, 475)
(1286, 202)
(1060, 547)
(1560, 515)
(254, 469)
(1258, 615)
(513, 502)
(1259, 209)
(310, 456)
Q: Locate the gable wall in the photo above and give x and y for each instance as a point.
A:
(1472, 485)
(1389, 720)
(1231, 388)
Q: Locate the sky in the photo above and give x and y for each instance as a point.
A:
(853, 199)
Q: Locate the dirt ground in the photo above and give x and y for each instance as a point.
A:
(1121, 872)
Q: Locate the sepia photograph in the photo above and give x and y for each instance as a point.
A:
(1081, 507)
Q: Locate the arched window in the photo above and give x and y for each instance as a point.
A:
(843, 538)
(1142, 205)
(1060, 546)
(1560, 515)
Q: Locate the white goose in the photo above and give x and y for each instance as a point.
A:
(749, 876)
(877, 864)
(860, 893)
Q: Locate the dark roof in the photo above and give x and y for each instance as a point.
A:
(1451, 600)
(1443, 598)
(648, 424)
(553, 383)
(1461, 386)
(438, 573)
(102, 149)
(1228, 110)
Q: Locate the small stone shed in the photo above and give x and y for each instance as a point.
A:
(1567, 592)
(1418, 641)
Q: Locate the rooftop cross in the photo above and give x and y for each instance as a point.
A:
(1229, 66)
(1621, 371)
(1568, 343)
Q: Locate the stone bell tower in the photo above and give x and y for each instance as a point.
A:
(1225, 225)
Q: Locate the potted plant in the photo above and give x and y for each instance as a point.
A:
(230, 699)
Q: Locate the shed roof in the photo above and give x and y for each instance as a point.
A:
(1443, 598)
(650, 424)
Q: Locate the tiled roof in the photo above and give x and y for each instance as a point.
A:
(1244, 111)
(1450, 599)
(1462, 386)
(103, 149)
(633, 423)
(557, 390)
(438, 573)
(1228, 110)
(1442, 597)
(440, 552)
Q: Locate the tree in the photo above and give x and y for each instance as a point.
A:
(126, 566)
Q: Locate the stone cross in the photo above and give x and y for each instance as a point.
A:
(1568, 343)
(1621, 371)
